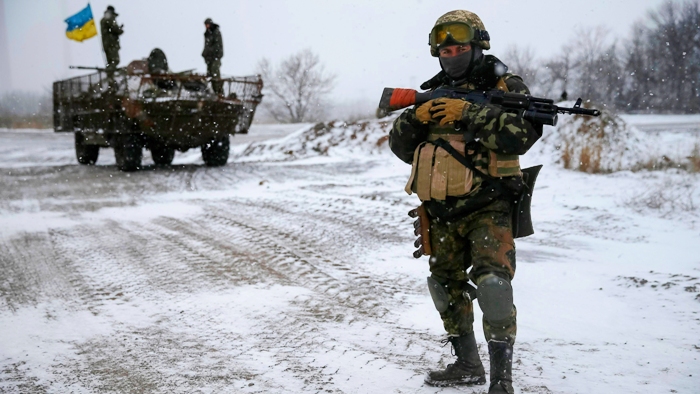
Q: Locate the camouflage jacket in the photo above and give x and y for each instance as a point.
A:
(110, 33)
(494, 129)
(213, 44)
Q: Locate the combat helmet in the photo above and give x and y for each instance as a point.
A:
(458, 27)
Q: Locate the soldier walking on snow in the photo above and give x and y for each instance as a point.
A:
(110, 37)
(469, 208)
(212, 54)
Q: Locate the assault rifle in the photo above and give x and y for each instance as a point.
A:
(534, 109)
(91, 68)
(186, 72)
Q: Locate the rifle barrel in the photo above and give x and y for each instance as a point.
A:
(578, 111)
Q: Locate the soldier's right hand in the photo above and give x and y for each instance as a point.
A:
(423, 112)
(448, 110)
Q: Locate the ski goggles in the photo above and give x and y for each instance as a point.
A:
(455, 33)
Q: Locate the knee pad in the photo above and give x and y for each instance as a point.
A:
(495, 297)
(439, 295)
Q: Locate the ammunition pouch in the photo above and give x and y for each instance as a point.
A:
(436, 174)
(421, 229)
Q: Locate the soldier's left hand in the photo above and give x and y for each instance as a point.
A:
(448, 110)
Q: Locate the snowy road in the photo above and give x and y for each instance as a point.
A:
(297, 277)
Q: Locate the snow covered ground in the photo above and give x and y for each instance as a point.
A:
(290, 270)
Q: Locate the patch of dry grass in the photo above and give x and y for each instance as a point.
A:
(694, 158)
(606, 144)
(672, 196)
(690, 163)
(584, 149)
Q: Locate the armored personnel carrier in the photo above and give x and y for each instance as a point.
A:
(139, 107)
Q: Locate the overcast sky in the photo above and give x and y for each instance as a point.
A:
(369, 44)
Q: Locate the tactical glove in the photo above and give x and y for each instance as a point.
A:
(448, 110)
(423, 112)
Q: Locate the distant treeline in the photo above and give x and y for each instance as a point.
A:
(26, 110)
(655, 70)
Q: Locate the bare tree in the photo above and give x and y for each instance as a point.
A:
(663, 60)
(637, 68)
(676, 45)
(591, 55)
(296, 88)
(559, 70)
(522, 61)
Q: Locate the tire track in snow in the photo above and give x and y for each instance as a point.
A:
(33, 270)
(298, 331)
(102, 363)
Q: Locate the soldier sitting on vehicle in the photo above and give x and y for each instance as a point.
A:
(158, 64)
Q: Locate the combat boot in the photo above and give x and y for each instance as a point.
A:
(467, 370)
(501, 355)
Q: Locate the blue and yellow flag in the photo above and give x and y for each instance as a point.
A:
(81, 26)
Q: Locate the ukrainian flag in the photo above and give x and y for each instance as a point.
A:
(81, 26)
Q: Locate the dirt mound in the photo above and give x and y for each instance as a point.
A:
(367, 137)
(594, 144)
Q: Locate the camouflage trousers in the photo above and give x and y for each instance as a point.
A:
(482, 240)
(213, 71)
(112, 56)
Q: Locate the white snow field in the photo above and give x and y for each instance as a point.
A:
(289, 270)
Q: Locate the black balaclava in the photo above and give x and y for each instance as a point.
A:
(458, 67)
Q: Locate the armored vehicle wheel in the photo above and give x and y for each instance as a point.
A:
(162, 154)
(215, 153)
(86, 154)
(128, 152)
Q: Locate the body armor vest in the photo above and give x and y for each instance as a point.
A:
(436, 174)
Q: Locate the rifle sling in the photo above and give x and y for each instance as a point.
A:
(458, 156)
(504, 185)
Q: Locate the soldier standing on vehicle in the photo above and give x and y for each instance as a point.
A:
(469, 208)
(110, 37)
(212, 54)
